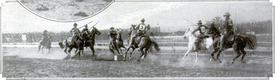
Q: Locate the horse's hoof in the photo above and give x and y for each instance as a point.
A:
(220, 61)
(243, 62)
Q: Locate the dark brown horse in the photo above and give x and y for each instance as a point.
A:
(119, 44)
(238, 44)
(85, 40)
(45, 43)
(143, 43)
(88, 38)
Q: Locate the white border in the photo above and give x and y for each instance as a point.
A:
(163, 78)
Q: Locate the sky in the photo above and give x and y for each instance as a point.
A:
(171, 16)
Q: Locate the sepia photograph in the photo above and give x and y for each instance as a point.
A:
(136, 39)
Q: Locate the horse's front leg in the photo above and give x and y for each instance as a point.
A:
(212, 54)
(93, 50)
(70, 49)
(218, 55)
(196, 56)
(142, 55)
(244, 53)
(188, 51)
(126, 53)
(39, 46)
(130, 57)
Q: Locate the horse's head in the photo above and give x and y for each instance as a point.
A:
(187, 33)
(95, 31)
(213, 30)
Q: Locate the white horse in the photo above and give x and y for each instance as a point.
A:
(205, 44)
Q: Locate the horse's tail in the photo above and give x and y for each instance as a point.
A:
(62, 45)
(252, 43)
(155, 45)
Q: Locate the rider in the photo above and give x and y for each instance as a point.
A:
(227, 29)
(201, 28)
(112, 34)
(44, 35)
(141, 30)
(76, 33)
(86, 30)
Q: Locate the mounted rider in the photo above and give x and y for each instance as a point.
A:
(86, 32)
(76, 33)
(141, 30)
(227, 30)
(202, 29)
(44, 36)
(113, 36)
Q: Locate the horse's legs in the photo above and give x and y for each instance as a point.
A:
(142, 54)
(238, 55)
(117, 51)
(126, 54)
(42, 49)
(111, 49)
(120, 51)
(39, 46)
(70, 49)
(93, 50)
(219, 52)
(188, 51)
(212, 54)
(196, 56)
(244, 53)
(133, 49)
(146, 52)
(65, 50)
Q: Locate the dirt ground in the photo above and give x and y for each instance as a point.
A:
(28, 63)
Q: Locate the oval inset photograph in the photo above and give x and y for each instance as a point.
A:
(68, 10)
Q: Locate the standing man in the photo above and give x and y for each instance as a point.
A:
(202, 29)
(76, 33)
(227, 30)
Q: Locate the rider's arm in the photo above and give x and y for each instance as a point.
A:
(230, 23)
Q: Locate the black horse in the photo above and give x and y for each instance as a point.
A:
(67, 43)
(84, 40)
(88, 38)
(238, 44)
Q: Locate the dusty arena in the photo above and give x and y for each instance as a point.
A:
(26, 62)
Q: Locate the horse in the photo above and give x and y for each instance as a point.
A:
(67, 43)
(119, 44)
(46, 42)
(144, 43)
(85, 40)
(88, 38)
(205, 44)
(238, 44)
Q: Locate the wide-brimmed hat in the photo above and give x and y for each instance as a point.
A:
(199, 22)
(143, 20)
(112, 28)
(75, 24)
(227, 14)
